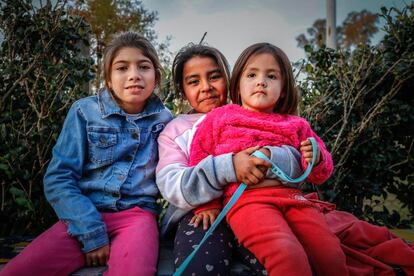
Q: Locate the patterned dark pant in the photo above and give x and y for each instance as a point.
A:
(215, 255)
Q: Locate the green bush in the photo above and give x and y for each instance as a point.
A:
(42, 73)
(361, 102)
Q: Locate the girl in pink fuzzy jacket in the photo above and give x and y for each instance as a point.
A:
(286, 232)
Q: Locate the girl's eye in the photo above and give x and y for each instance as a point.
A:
(272, 77)
(193, 82)
(251, 75)
(215, 77)
(145, 67)
(122, 68)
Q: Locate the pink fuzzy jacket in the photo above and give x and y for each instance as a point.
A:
(232, 128)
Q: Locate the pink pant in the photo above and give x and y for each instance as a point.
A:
(133, 250)
(287, 235)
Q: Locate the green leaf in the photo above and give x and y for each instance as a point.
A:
(17, 192)
(308, 49)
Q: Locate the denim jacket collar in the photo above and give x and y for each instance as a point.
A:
(109, 106)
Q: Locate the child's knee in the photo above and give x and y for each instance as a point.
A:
(287, 257)
(291, 249)
(280, 250)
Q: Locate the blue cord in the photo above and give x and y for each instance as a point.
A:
(276, 170)
(209, 232)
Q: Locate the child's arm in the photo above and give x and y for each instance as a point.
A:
(61, 185)
(189, 186)
(288, 159)
(323, 167)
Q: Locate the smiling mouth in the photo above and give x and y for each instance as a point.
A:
(213, 98)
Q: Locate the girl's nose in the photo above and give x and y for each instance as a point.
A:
(262, 83)
(205, 86)
(134, 74)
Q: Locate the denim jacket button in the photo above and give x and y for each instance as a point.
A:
(121, 177)
(135, 136)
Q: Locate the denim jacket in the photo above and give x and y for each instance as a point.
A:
(104, 161)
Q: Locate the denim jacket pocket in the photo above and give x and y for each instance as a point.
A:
(101, 147)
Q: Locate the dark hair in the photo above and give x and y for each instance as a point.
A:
(196, 50)
(288, 102)
(132, 40)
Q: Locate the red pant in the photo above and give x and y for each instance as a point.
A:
(133, 250)
(286, 233)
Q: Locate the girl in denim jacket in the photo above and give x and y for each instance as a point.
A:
(100, 180)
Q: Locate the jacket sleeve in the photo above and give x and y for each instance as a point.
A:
(61, 184)
(321, 172)
(189, 186)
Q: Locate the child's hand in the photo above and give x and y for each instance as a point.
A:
(97, 257)
(207, 217)
(250, 169)
(306, 149)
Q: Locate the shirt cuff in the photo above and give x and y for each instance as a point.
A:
(94, 239)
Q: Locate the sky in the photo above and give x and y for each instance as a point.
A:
(232, 25)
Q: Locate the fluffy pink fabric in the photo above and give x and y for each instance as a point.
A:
(232, 128)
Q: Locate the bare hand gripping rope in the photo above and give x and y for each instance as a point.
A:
(276, 170)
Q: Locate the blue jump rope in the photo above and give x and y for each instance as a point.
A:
(276, 170)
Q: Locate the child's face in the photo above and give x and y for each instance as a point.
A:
(132, 79)
(204, 84)
(260, 84)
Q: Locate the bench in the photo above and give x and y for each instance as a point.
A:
(165, 263)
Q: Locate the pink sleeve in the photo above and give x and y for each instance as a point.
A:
(324, 169)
